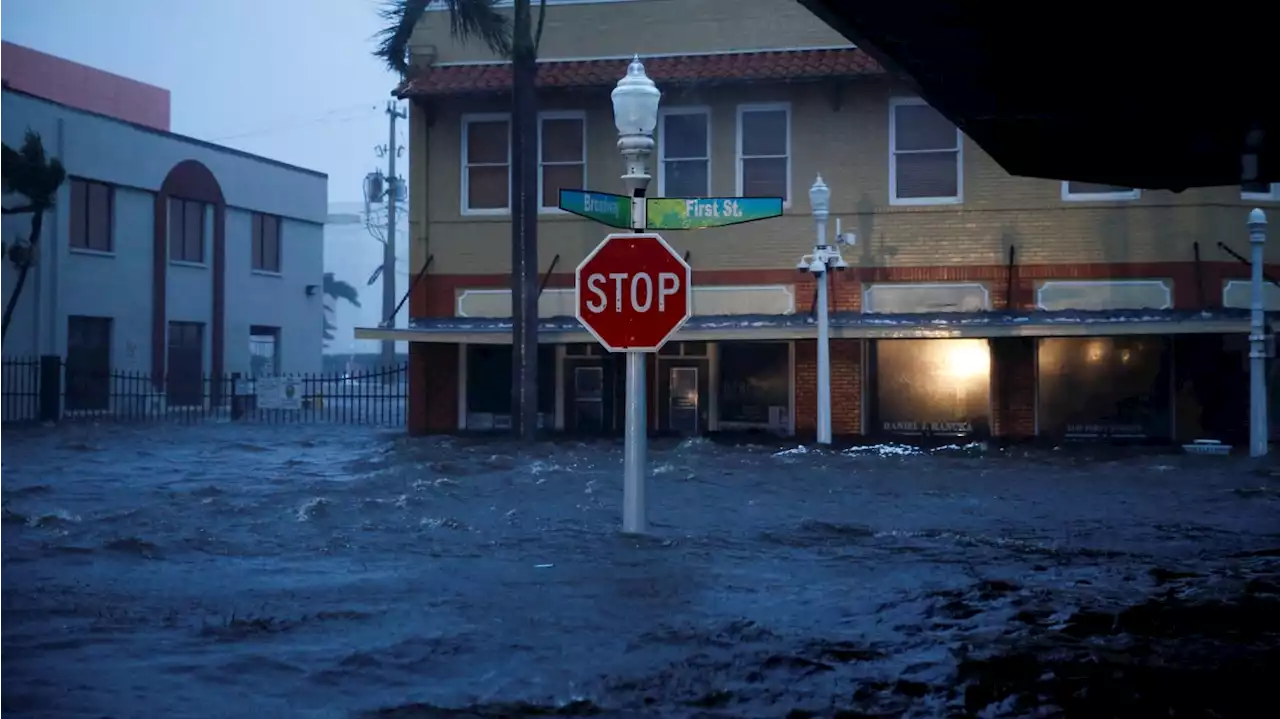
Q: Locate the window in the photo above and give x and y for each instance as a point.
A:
(926, 164)
(92, 209)
(755, 384)
(88, 363)
(684, 152)
(486, 164)
(1260, 191)
(764, 151)
(266, 242)
(185, 381)
(562, 155)
(1085, 191)
(186, 230)
(264, 351)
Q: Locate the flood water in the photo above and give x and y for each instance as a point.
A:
(313, 571)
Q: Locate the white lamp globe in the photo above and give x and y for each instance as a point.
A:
(635, 102)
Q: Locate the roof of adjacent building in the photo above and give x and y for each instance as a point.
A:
(778, 65)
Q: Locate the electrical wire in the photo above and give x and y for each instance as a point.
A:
(349, 113)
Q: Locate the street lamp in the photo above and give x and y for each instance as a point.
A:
(824, 257)
(635, 113)
(1258, 434)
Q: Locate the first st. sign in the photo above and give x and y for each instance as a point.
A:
(633, 292)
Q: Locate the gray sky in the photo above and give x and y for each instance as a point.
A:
(289, 79)
(292, 80)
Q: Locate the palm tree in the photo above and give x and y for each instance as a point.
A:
(338, 290)
(517, 41)
(30, 173)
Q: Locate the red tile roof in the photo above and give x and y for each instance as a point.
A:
(781, 65)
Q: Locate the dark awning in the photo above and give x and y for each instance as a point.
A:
(1147, 95)
(848, 325)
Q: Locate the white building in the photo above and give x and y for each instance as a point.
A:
(165, 255)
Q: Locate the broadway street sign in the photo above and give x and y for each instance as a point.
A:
(674, 213)
(603, 207)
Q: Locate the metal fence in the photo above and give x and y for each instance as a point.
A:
(46, 389)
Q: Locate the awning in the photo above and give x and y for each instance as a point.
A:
(848, 325)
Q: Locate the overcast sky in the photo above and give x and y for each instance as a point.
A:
(292, 80)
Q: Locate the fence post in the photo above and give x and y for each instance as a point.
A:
(50, 388)
(237, 400)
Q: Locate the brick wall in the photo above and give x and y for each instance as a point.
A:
(846, 387)
(1013, 387)
(433, 388)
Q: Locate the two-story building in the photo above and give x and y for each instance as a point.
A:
(976, 302)
(164, 256)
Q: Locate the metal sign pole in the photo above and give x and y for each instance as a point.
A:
(1258, 432)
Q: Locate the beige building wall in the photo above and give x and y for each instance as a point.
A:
(848, 142)
(613, 28)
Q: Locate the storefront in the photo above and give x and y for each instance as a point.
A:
(756, 387)
(930, 388)
(1105, 387)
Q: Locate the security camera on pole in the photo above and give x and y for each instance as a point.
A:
(634, 292)
(1258, 432)
(824, 257)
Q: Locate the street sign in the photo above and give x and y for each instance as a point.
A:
(695, 213)
(633, 292)
(603, 207)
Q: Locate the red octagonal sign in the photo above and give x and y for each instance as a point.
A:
(633, 292)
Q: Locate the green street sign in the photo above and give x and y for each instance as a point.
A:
(603, 207)
(689, 213)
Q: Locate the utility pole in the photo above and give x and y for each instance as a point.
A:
(389, 247)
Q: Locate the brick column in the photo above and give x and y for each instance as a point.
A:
(1013, 387)
(433, 388)
(846, 387)
(806, 387)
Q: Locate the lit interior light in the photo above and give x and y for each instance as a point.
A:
(967, 360)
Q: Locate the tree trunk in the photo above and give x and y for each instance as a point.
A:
(524, 225)
(37, 224)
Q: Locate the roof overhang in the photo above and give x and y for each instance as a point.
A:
(847, 325)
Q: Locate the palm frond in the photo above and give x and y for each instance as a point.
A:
(340, 290)
(29, 171)
(468, 20)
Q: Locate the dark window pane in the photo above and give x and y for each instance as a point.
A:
(920, 127)
(271, 243)
(79, 214)
(1095, 188)
(175, 229)
(764, 177)
(687, 178)
(487, 188)
(764, 132)
(193, 232)
(98, 221)
(257, 241)
(487, 142)
(557, 177)
(562, 140)
(684, 136)
(928, 174)
(1256, 188)
(754, 376)
(185, 381)
(88, 367)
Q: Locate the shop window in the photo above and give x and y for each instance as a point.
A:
(1104, 387)
(489, 381)
(932, 387)
(755, 384)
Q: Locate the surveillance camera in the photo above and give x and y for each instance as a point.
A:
(802, 266)
(817, 267)
(840, 264)
(847, 238)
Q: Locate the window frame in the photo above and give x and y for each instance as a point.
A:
(468, 120)
(958, 199)
(87, 183)
(1271, 196)
(204, 218)
(579, 115)
(257, 243)
(663, 113)
(743, 109)
(1125, 196)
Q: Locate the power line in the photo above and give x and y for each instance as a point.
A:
(331, 116)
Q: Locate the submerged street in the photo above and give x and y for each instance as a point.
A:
(310, 571)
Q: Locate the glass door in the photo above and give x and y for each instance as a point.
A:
(588, 399)
(682, 408)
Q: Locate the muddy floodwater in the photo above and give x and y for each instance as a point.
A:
(311, 571)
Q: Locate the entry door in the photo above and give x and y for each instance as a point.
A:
(588, 399)
(682, 407)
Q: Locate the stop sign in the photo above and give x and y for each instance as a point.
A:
(633, 292)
